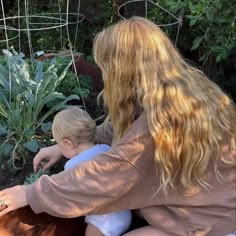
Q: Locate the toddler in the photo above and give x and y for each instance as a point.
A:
(74, 131)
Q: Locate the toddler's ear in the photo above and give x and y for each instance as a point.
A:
(68, 142)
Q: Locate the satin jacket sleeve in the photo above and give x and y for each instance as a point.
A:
(104, 133)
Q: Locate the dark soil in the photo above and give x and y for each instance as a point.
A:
(9, 179)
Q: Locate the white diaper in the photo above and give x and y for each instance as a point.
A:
(112, 224)
(233, 234)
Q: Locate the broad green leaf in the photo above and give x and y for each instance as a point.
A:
(32, 145)
(4, 100)
(219, 58)
(55, 96)
(45, 127)
(196, 43)
(210, 12)
(57, 107)
(62, 76)
(194, 19)
(3, 131)
(5, 149)
(83, 92)
(28, 133)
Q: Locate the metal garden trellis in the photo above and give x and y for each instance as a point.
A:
(40, 22)
(57, 20)
(155, 4)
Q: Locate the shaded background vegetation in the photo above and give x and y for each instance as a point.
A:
(206, 37)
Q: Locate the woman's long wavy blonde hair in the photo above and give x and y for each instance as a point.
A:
(188, 115)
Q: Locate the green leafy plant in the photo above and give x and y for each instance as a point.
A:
(208, 25)
(30, 179)
(207, 35)
(72, 85)
(22, 104)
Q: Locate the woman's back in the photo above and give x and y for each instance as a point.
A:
(179, 212)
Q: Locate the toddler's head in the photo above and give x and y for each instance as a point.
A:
(72, 127)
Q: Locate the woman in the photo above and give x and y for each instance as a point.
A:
(173, 143)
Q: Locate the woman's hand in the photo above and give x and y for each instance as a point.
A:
(50, 154)
(12, 199)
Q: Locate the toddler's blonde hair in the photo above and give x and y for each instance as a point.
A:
(74, 124)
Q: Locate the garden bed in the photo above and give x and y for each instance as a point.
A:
(10, 178)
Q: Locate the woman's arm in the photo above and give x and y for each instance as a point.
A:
(89, 188)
